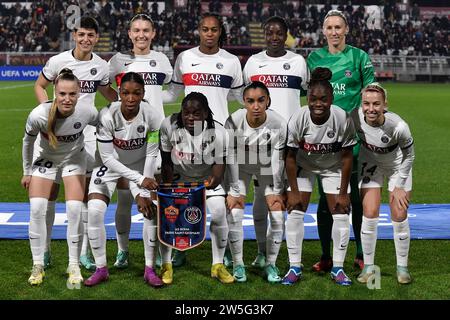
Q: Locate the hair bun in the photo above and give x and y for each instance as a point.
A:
(65, 71)
(321, 74)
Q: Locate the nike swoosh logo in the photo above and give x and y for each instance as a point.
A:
(234, 241)
(118, 129)
(402, 238)
(195, 64)
(152, 240)
(264, 65)
(71, 171)
(127, 63)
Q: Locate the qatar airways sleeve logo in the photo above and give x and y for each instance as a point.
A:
(131, 144)
(278, 81)
(89, 86)
(208, 80)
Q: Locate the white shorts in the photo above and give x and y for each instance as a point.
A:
(104, 180)
(331, 181)
(47, 169)
(263, 181)
(373, 177)
(90, 147)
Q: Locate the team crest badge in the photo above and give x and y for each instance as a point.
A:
(42, 170)
(348, 73)
(330, 134)
(171, 213)
(384, 139)
(152, 63)
(181, 215)
(366, 179)
(192, 215)
(219, 65)
(97, 181)
(93, 71)
(140, 129)
(77, 125)
(286, 66)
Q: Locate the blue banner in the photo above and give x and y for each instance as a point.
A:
(181, 215)
(19, 73)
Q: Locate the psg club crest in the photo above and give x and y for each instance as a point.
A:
(330, 134)
(140, 129)
(152, 63)
(181, 215)
(93, 71)
(348, 73)
(219, 65)
(384, 139)
(77, 125)
(286, 66)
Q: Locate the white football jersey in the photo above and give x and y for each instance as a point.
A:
(155, 69)
(383, 145)
(214, 75)
(193, 156)
(284, 76)
(320, 146)
(259, 150)
(131, 139)
(68, 131)
(91, 74)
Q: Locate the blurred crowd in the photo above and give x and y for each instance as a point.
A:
(39, 27)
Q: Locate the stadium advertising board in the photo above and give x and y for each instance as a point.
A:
(19, 73)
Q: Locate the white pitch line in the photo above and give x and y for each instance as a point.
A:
(17, 86)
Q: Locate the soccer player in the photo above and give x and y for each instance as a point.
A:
(320, 142)
(387, 152)
(352, 70)
(92, 71)
(194, 146)
(285, 74)
(156, 70)
(210, 70)
(60, 123)
(259, 141)
(127, 137)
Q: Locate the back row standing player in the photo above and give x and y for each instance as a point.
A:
(210, 70)
(156, 70)
(285, 74)
(352, 71)
(92, 72)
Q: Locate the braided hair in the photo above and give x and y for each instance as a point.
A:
(321, 77)
(223, 33)
(203, 102)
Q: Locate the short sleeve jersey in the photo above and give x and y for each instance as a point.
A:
(320, 146)
(258, 143)
(214, 75)
(285, 77)
(193, 156)
(352, 71)
(91, 74)
(129, 138)
(382, 145)
(155, 69)
(68, 131)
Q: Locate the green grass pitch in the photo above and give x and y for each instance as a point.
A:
(425, 107)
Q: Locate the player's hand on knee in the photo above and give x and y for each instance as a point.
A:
(342, 205)
(149, 184)
(275, 202)
(293, 200)
(144, 206)
(235, 202)
(400, 198)
(25, 182)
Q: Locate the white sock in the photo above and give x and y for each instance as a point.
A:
(166, 253)
(37, 230)
(97, 231)
(340, 234)
(123, 218)
(295, 232)
(236, 235)
(260, 211)
(49, 221)
(84, 217)
(218, 227)
(150, 237)
(74, 230)
(369, 239)
(401, 239)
